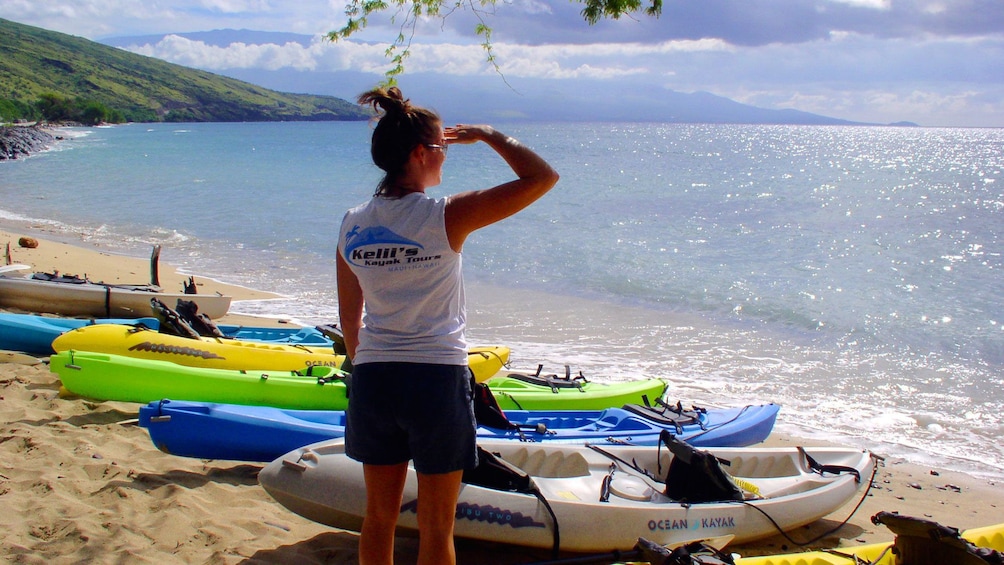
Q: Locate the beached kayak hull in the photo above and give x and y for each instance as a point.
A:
(320, 483)
(34, 334)
(257, 433)
(991, 537)
(217, 353)
(105, 376)
(92, 299)
(513, 392)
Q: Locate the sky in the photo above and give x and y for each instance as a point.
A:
(932, 62)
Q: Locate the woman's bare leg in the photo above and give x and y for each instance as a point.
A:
(437, 510)
(384, 486)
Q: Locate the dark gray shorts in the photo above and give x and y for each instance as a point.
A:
(412, 411)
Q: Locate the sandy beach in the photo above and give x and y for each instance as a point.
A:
(81, 482)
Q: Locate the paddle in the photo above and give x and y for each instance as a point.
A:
(644, 551)
(14, 267)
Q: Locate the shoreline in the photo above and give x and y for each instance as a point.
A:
(82, 480)
(19, 141)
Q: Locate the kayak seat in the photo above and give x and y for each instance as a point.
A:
(665, 416)
(171, 323)
(553, 381)
(334, 333)
(697, 476)
(924, 542)
(497, 473)
(56, 277)
(188, 311)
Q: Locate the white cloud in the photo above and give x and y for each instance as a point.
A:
(235, 6)
(197, 54)
(320, 55)
(531, 7)
(621, 50)
(87, 18)
(598, 61)
(96, 19)
(934, 8)
(873, 4)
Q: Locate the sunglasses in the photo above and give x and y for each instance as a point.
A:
(443, 148)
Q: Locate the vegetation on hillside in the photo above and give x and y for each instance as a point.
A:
(58, 77)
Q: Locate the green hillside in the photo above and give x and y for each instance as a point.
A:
(41, 69)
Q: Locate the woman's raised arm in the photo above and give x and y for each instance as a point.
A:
(469, 211)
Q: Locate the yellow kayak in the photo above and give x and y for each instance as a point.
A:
(234, 354)
(873, 554)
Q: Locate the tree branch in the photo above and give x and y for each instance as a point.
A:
(358, 12)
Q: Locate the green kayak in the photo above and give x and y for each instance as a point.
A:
(518, 391)
(106, 376)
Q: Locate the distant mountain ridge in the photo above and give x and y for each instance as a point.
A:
(478, 98)
(35, 62)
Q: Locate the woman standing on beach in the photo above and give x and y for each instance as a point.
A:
(400, 255)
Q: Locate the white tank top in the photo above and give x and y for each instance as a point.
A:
(413, 289)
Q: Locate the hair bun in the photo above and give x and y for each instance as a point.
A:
(390, 100)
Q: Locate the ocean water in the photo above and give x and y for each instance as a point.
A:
(851, 274)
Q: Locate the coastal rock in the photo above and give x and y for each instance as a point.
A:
(28, 242)
(21, 141)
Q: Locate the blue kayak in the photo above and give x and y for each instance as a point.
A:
(259, 433)
(29, 333)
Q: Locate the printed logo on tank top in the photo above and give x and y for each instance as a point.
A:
(380, 247)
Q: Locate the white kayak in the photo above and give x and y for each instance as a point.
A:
(73, 296)
(597, 498)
